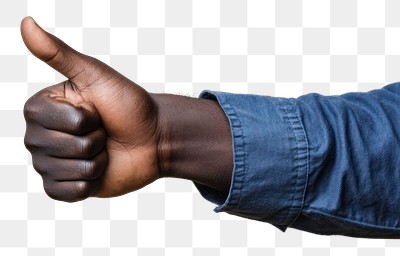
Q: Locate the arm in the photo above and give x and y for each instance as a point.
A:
(328, 165)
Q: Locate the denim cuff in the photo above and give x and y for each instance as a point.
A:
(270, 154)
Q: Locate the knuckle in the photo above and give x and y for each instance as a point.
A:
(39, 166)
(86, 147)
(35, 105)
(79, 123)
(103, 137)
(31, 110)
(103, 133)
(90, 145)
(30, 143)
(34, 138)
(90, 169)
(82, 190)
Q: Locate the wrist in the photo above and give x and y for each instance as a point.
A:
(194, 140)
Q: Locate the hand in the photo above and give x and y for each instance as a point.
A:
(96, 134)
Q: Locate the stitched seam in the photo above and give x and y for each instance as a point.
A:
(307, 170)
(289, 212)
(289, 118)
(240, 160)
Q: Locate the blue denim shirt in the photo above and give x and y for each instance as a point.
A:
(323, 164)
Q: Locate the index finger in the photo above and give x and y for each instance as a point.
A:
(58, 113)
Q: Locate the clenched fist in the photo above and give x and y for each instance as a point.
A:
(97, 133)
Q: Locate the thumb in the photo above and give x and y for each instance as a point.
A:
(51, 50)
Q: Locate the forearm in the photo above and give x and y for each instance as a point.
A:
(195, 141)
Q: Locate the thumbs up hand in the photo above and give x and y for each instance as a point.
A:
(97, 133)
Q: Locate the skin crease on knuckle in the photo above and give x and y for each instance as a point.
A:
(90, 169)
(87, 147)
(37, 139)
(82, 190)
(92, 144)
(40, 165)
(31, 141)
(82, 121)
(31, 110)
(79, 123)
(93, 168)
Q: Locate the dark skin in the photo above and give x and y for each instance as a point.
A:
(98, 134)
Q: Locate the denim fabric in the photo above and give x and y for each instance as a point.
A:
(323, 164)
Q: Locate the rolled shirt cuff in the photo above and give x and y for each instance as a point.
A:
(270, 155)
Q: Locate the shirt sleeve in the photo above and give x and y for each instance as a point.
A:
(323, 164)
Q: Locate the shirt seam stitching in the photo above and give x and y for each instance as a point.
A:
(240, 162)
(239, 147)
(288, 114)
(307, 167)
